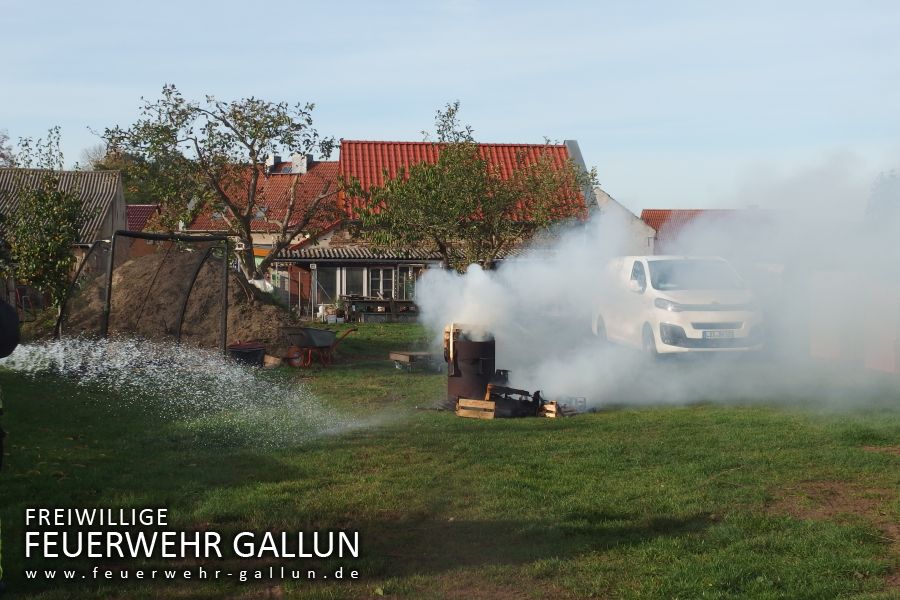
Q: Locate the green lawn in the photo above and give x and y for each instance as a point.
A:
(702, 501)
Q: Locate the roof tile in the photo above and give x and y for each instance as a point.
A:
(368, 160)
(139, 214)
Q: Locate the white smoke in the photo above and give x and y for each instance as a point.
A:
(824, 272)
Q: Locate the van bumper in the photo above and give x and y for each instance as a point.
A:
(676, 338)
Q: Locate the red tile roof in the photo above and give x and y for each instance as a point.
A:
(675, 219)
(368, 160)
(273, 196)
(138, 215)
(670, 223)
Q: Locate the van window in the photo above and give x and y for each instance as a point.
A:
(693, 274)
(638, 274)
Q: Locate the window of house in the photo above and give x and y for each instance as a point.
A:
(355, 276)
(326, 285)
(406, 282)
(381, 282)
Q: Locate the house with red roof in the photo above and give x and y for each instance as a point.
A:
(273, 192)
(706, 231)
(137, 216)
(339, 264)
(334, 264)
(309, 178)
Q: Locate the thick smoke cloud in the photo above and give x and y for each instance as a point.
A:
(826, 275)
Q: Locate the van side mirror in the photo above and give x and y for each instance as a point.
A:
(635, 286)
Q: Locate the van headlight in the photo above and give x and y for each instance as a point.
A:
(667, 305)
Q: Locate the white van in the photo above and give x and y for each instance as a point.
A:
(677, 304)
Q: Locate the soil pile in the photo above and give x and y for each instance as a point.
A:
(148, 298)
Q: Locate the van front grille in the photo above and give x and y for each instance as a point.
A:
(723, 325)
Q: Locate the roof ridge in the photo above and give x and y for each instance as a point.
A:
(688, 209)
(427, 142)
(63, 171)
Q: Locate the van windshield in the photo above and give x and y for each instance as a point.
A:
(693, 274)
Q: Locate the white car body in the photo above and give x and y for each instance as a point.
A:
(695, 304)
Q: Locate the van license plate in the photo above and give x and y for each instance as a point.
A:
(718, 334)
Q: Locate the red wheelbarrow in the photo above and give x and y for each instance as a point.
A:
(312, 340)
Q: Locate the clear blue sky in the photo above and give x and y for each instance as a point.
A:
(675, 103)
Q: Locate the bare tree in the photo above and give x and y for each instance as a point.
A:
(7, 157)
(93, 156)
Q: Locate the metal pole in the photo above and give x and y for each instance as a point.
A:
(314, 293)
(187, 296)
(287, 272)
(107, 301)
(223, 325)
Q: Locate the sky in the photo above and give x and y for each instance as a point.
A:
(677, 104)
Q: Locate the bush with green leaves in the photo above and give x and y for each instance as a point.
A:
(41, 232)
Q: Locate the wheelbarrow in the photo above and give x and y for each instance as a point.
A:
(312, 340)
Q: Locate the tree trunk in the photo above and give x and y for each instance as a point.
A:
(248, 261)
(267, 261)
(444, 251)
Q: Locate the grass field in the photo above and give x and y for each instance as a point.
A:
(702, 501)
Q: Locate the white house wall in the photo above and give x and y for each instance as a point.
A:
(638, 238)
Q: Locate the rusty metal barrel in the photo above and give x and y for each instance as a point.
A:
(470, 365)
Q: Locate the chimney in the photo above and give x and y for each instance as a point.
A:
(300, 163)
(271, 161)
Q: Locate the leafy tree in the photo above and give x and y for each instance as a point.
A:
(211, 155)
(427, 206)
(7, 159)
(462, 207)
(138, 177)
(6, 263)
(47, 220)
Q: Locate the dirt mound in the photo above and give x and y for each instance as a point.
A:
(148, 299)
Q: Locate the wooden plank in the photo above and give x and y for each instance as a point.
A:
(403, 357)
(469, 403)
(474, 414)
(410, 356)
(552, 410)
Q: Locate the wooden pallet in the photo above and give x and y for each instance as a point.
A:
(475, 409)
(488, 409)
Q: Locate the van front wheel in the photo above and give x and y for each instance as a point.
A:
(648, 342)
